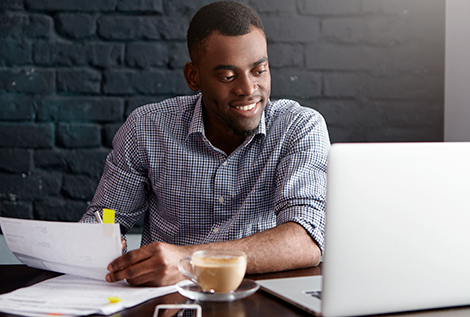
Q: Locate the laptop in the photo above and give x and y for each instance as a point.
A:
(397, 232)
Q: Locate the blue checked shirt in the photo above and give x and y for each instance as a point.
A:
(162, 166)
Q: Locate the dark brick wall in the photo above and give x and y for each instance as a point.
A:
(71, 71)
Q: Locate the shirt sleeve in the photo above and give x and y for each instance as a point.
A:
(123, 185)
(301, 176)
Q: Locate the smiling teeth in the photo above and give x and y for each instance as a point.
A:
(247, 107)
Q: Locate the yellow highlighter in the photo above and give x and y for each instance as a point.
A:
(108, 215)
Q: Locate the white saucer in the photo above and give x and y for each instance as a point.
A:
(190, 290)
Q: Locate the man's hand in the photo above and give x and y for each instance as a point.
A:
(155, 264)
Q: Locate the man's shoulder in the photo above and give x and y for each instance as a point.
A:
(167, 107)
(290, 110)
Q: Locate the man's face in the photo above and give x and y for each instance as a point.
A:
(235, 82)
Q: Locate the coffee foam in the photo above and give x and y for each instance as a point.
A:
(218, 260)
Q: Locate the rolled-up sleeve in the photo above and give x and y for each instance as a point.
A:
(301, 177)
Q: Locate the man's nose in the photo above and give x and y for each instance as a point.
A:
(246, 85)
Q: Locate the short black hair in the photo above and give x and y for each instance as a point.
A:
(230, 18)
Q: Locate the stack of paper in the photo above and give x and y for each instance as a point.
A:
(83, 252)
(69, 295)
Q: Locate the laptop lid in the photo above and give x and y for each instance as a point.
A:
(398, 228)
(397, 232)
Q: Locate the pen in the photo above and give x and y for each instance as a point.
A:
(98, 217)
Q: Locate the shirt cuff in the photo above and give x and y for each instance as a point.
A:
(313, 221)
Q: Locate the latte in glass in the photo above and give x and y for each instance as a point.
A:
(215, 271)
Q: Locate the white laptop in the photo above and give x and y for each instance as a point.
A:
(397, 231)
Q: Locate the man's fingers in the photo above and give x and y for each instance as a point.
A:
(138, 273)
(144, 280)
(127, 273)
(128, 259)
(155, 264)
(132, 265)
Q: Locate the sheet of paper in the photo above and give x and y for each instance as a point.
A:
(70, 295)
(66, 247)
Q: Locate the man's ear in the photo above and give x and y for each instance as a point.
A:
(191, 74)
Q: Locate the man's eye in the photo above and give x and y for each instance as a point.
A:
(228, 78)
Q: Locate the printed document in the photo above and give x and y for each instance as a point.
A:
(69, 295)
(66, 247)
(83, 251)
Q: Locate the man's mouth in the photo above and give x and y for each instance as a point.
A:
(247, 107)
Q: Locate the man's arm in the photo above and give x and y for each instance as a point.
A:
(284, 247)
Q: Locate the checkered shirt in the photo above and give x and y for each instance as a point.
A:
(163, 167)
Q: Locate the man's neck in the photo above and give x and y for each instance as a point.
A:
(227, 142)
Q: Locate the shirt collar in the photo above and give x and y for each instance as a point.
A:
(197, 123)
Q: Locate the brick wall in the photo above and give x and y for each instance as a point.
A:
(71, 71)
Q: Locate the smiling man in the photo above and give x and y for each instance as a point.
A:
(232, 73)
(226, 168)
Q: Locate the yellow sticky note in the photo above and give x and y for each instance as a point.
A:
(114, 300)
(108, 216)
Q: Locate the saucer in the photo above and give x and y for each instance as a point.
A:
(190, 290)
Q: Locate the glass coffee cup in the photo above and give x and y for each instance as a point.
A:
(215, 271)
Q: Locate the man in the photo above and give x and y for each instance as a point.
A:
(223, 169)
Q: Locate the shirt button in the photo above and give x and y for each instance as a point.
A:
(224, 163)
(216, 230)
(221, 199)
